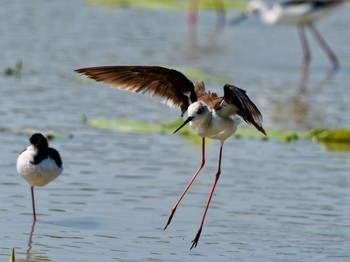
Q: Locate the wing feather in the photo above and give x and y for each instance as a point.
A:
(170, 84)
(239, 102)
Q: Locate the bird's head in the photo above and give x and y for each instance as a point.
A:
(196, 111)
(252, 9)
(39, 141)
(255, 8)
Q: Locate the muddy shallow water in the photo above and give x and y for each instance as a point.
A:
(274, 201)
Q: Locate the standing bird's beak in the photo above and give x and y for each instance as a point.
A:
(184, 123)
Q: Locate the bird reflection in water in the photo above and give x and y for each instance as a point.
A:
(33, 256)
(303, 110)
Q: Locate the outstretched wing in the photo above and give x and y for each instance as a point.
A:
(236, 101)
(172, 85)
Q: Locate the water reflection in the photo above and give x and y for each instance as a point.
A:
(31, 256)
(196, 49)
(30, 240)
(302, 109)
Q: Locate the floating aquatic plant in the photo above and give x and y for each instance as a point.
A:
(335, 140)
(166, 4)
(29, 131)
(16, 71)
(134, 126)
(338, 140)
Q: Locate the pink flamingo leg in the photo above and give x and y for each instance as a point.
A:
(33, 203)
(188, 186)
(217, 176)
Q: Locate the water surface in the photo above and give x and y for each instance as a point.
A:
(274, 201)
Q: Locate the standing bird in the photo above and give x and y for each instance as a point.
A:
(302, 13)
(209, 115)
(39, 164)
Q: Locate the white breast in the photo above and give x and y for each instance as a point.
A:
(40, 174)
(216, 127)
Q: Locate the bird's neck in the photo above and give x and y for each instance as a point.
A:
(200, 126)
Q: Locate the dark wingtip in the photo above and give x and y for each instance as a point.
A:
(259, 128)
(80, 70)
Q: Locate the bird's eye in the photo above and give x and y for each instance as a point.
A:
(200, 110)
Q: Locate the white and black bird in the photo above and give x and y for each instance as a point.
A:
(300, 13)
(209, 115)
(39, 164)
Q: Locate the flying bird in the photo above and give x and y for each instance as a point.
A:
(209, 115)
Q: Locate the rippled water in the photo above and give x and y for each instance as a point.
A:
(274, 201)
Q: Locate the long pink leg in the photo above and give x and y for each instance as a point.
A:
(305, 46)
(188, 186)
(195, 240)
(331, 55)
(33, 203)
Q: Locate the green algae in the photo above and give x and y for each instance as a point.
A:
(335, 140)
(166, 4)
(29, 131)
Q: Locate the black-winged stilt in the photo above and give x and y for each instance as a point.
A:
(302, 13)
(39, 164)
(209, 115)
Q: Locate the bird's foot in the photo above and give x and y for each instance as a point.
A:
(196, 239)
(170, 217)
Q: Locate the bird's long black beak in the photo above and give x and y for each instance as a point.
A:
(184, 123)
(240, 18)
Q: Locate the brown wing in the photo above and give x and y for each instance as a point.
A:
(170, 84)
(238, 99)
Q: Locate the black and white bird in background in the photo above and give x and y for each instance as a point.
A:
(39, 164)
